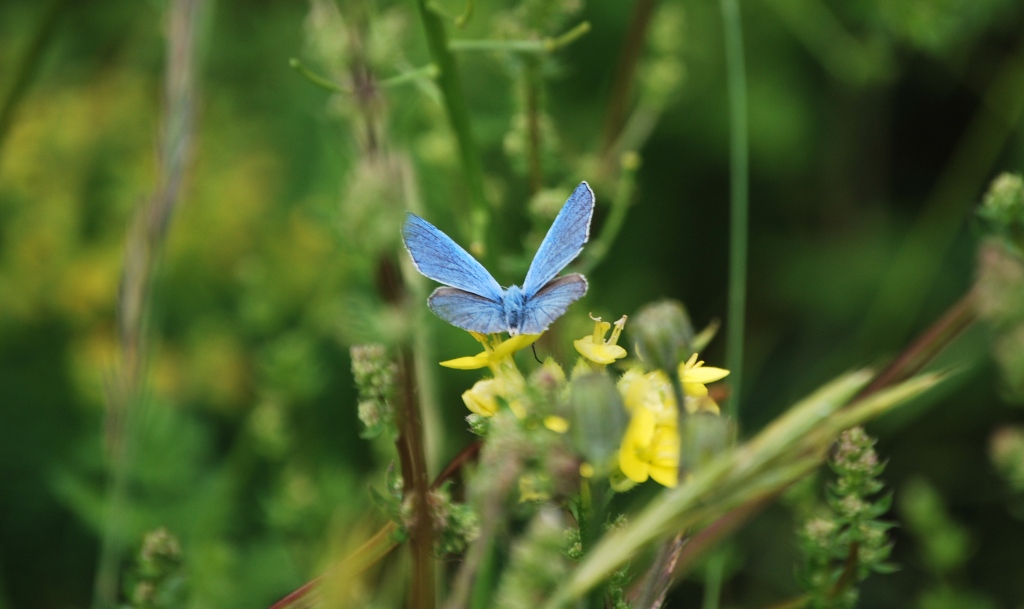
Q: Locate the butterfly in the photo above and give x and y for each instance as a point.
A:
(473, 299)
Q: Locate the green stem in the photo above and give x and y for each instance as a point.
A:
(738, 206)
(458, 115)
(599, 248)
(622, 85)
(315, 78)
(541, 46)
(429, 71)
(531, 86)
(713, 580)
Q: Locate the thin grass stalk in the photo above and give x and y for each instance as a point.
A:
(736, 77)
(146, 237)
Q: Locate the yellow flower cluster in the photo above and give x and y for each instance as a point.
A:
(651, 443)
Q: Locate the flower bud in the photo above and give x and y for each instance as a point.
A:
(663, 334)
(1003, 204)
(598, 418)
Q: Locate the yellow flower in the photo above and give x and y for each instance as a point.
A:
(694, 405)
(482, 398)
(650, 449)
(556, 424)
(495, 350)
(596, 349)
(652, 391)
(694, 375)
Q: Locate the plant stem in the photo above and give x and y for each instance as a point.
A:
(428, 71)
(374, 549)
(599, 247)
(144, 244)
(315, 78)
(458, 115)
(713, 580)
(954, 321)
(540, 46)
(738, 207)
(412, 457)
(531, 86)
(622, 84)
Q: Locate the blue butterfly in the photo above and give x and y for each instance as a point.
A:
(475, 302)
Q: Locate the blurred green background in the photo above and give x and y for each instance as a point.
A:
(875, 128)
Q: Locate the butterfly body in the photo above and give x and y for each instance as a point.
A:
(474, 301)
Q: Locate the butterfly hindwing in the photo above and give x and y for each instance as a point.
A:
(441, 259)
(550, 302)
(468, 311)
(564, 240)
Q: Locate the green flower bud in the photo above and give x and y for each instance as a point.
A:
(1003, 204)
(598, 418)
(663, 334)
(1006, 449)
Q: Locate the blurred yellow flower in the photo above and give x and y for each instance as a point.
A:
(482, 398)
(652, 391)
(694, 375)
(650, 446)
(650, 449)
(596, 349)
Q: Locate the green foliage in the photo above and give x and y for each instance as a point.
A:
(375, 376)
(283, 252)
(157, 579)
(537, 564)
(846, 541)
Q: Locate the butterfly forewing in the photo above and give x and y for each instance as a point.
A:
(441, 259)
(468, 311)
(564, 240)
(551, 302)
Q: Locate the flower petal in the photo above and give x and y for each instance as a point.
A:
(598, 353)
(702, 374)
(556, 424)
(513, 344)
(468, 363)
(638, 438)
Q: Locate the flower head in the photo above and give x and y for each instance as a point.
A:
(596, 349)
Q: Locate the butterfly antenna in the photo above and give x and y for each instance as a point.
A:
(534, 347)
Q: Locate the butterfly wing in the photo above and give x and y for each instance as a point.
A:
(564, 240)
(441, 259)
(550, 302)
(468, 311)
